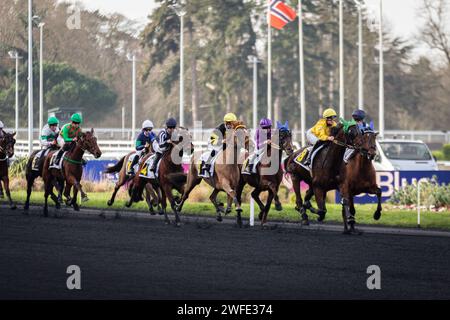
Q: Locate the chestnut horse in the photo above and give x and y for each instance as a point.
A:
(358, 176)
(71, 171)
(171, 174)
(271, 183)
(6, 151)
(227, 172)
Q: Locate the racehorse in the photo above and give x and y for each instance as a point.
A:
(227, 172)
(327, 163)
(170, 176)
(298, 174)
(32, 175)
(271, 183)
(6, 151)
(121, 167)
(358, 176)
(70, 172)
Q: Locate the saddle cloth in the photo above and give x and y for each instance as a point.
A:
(37, 157)
(301, 158)
(130, 161)
(54, 164)
(145, 171)
(203, 158)
(253, 159)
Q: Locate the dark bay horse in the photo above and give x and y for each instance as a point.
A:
(121, 167)
(327, 164)
(268, 182)
(298, 174)
(6, 151)
(227, 172)
(358, 176)
(171, 174)
(71, 171)
(32, 175)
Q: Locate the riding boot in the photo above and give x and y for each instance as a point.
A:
(133, 163)
(155, 162)
(208, 161)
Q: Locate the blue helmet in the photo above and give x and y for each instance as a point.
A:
(358, 115)
(171, 123)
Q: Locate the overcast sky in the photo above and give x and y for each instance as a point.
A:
(400, 14)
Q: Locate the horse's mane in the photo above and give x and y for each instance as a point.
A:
(239, 125)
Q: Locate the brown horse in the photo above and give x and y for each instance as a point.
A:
(121, 167)
(327, 163)
(271, 183)
(171, 174)
(6, 151)
(32, 175)
(358, 176)
(227, 172)
(298, 174)
(71, 172)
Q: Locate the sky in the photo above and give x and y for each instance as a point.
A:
(399, 14)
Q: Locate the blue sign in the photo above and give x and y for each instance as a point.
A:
(389, 181)
(94, 169)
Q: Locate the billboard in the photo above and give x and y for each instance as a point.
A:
(389, 181)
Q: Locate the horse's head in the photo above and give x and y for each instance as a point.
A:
(7, 144)
(239, 135)
(88, 143)
(285, 137)
(182, 138)
(367, 144)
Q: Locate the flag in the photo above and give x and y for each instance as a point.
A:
(280, 14)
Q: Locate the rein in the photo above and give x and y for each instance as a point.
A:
(74, 161)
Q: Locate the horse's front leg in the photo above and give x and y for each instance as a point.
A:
(320, 198)
(8, 193)
(376, 190)
(272, 192)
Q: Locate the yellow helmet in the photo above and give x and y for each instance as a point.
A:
(329, 113)
(230, 117)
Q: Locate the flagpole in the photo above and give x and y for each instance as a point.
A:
(302, 75)
(341, 62)
(269, 65)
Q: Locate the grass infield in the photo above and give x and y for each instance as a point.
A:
(364, 213)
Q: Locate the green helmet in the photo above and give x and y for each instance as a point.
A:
(53, 121)
(76, 117)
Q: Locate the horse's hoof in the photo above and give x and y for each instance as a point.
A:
(110, 203)
(321, 216)
(219, 218)
(76, 207)
(377, 215)
(260, 215)
(128, 204)
(84, 199)
(228, 211)
(239, 223)
(278, 207)
(26, 207)
(177, 224)
(58, 206)
(305, 222)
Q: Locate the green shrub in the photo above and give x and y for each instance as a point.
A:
(432, 194)
(439, 155)
(446, 151)
(18, 167)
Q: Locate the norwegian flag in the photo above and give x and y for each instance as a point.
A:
(280, 14)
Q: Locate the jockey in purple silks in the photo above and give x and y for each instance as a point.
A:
(263, 135)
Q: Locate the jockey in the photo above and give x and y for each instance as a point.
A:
(358, 115)
(146, 136)
(48, 140)
(162, 143)
(217, 139)
(321, 132)
(69, 132)
(263, 136)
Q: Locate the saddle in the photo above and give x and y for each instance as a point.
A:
(252, 161)
(54, 163)
(130, 161)
(145, 171)
(202, 172)
(301, 158)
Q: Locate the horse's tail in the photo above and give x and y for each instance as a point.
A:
(177, 179)
(117, 167)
